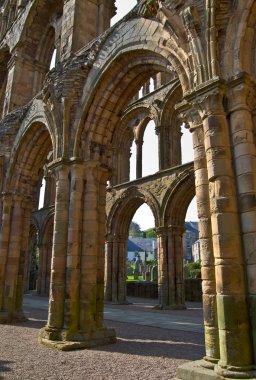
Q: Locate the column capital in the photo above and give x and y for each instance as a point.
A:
(59, 168)
(208, 99)
(161, 231)
(189, 115)
(241, 93)
(139, 142)
(11, 198)
(97, 170)
(109, 238)
(176, 230)
(7, 197)
(160, 128)
(119, 238)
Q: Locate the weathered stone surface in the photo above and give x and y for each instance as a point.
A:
(75, 124)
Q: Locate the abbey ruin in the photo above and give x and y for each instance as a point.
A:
(74, 126)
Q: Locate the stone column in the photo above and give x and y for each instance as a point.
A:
(146, 88)
(163, 297)
(162, 147)
(108, 268)
(77, 280)
(175, 262)
(49, 190)
(139, 144)
(54, 326)
(4, 245)
(116, 270)
(206, 248)
(175, 137)
(10, 254)
(241, 101)
(24, 250)
(44, 271)
(72, 299)
(125, 156)
(233, 321)
(40, 285)
(2, 159)
(122, 270)
(170, 268)
(28, 260)
(92, 258)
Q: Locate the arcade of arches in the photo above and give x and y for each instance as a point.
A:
(74, 126)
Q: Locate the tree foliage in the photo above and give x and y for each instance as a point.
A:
(193, 270)
(150, 233)
(135, 230)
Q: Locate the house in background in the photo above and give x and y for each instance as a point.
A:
(196, 251)
(190, 236)
(145, 247)
(139, 245)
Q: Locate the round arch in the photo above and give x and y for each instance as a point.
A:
(123, 67)
(121, 213)
(31, 148)
(117, 228)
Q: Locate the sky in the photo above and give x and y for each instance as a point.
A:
(123, 7)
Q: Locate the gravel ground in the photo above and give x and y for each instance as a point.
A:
(141, 352)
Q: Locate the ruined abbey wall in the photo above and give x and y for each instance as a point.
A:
(75, 123)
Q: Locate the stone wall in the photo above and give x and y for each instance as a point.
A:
(193, 289)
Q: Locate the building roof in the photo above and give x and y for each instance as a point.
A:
(136, 244)
(191, 226)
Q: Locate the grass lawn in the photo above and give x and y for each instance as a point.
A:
(131, 278)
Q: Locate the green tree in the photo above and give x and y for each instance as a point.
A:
(135, 230)
(193, 270)
(150, 233)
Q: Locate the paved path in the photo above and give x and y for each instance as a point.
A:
(140, 313)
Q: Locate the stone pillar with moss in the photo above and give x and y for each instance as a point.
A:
(236, 351)
(77, 281)
(13, 247)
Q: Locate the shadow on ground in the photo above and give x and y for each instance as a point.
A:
(4, 367)
(156, 342)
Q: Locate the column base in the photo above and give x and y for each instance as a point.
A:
(7, 317)
(58, 339)
(196, 371)
(170, 307)
(208, 363)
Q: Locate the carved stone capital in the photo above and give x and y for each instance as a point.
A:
(189, 115)
(241, 93)
(176, 230)
(208, 99)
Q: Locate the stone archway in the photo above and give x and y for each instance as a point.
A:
(170, 234)
(31, 148)
(164, 192)
(119, 216)
(45, 242)
(203, 44)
